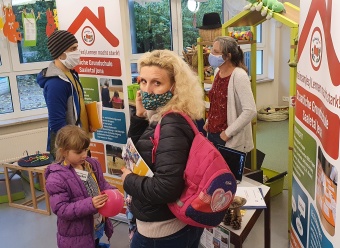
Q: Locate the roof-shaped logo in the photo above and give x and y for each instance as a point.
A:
(324, 8)
(98, 22)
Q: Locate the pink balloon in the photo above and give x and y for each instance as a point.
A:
(114, 203)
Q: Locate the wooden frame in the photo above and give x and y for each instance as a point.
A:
(30, 205)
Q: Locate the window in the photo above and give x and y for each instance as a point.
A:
(30, 94)
(176, 28)
(191, 20)
(233, 7)
(261, 57)
(173, 25)
(20, 95)
(5, 96)
(150, 26)
(35, 20)
(259, 61)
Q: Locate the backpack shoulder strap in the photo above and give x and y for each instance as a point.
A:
(155, 140)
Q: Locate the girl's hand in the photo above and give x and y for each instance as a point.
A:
(140, 110)
(223, 136)
(99, 200)
(125, 173)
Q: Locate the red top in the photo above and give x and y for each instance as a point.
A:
(217, 115)
(116, 100)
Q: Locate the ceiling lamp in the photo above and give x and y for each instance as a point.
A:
(193, 6)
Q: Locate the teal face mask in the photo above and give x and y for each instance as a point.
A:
(153, 101)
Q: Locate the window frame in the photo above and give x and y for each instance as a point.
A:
(17, 112)
(6, 66)
(261, 46)
(18, 67)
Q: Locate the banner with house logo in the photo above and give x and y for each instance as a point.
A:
(97, 26)
(314, 222)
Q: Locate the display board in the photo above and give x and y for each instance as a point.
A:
(97, 26)
(316, 130)
(217, 237)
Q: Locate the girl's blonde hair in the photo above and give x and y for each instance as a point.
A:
(68, 138)
(188, 92)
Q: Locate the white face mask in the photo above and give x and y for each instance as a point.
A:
(72, 59)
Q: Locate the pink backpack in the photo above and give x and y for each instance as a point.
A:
(210, 186)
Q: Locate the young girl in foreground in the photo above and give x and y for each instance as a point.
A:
(74, 184)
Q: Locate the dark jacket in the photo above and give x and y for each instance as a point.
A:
(61, 99)
(106, 98)
(73, 205)
(150, 196)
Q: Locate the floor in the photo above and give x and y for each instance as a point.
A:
(20, 228)
(268, 133)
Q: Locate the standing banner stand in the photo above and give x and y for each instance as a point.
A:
(316, 129)
(97, 26)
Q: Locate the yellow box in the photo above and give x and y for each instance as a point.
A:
(276, 186)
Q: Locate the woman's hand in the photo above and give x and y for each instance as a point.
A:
(125, 173)
(223, 136)
(99, 200)
(140, 110)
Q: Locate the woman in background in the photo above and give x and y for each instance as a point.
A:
(106, 95)
(232, 105)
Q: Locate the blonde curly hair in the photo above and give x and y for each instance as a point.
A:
(188, 92)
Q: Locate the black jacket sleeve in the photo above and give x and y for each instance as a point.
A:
(137, 127)
(172, 154)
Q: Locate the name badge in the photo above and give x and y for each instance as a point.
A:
(82, 174)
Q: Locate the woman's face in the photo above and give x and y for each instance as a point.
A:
(216, 49)
(154, 80)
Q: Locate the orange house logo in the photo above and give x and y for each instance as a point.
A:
(99, 23)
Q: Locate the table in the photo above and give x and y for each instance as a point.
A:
(30, 205)
(237, 237)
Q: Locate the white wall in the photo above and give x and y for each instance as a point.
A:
(271, 93)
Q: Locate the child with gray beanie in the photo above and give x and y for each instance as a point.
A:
(63, 91)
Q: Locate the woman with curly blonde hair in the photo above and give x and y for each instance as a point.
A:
(166, 84)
